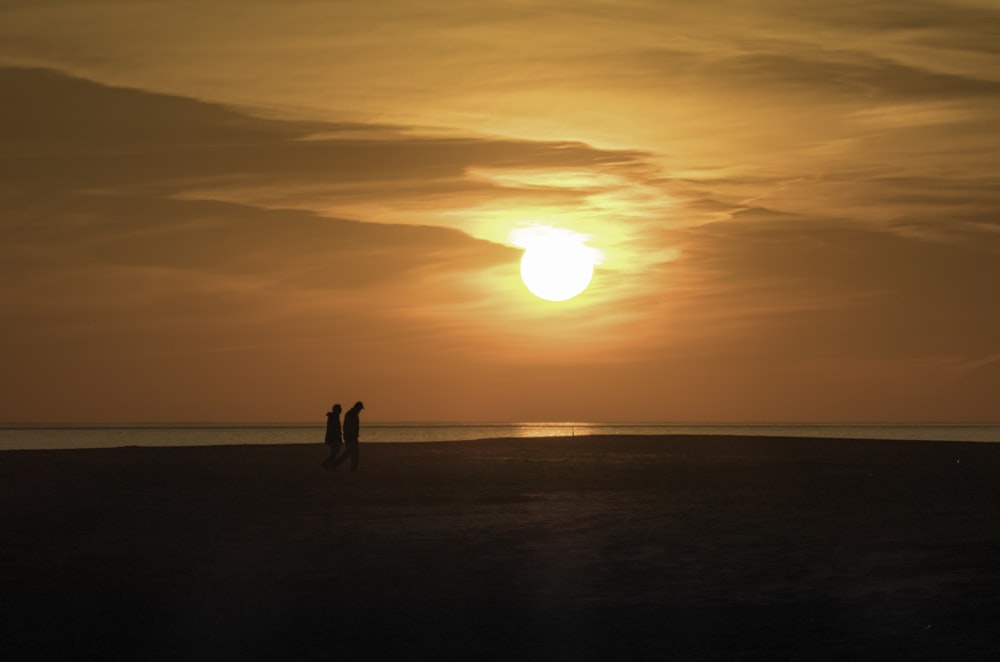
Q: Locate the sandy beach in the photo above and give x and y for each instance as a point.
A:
(586, 548)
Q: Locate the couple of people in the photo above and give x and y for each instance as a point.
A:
(352, 428)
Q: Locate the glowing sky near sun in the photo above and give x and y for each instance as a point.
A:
(242, 211)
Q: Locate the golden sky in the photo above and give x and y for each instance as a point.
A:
(241, 210)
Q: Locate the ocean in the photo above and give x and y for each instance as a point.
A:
(22, 437)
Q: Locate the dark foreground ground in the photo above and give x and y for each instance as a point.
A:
(613, 548)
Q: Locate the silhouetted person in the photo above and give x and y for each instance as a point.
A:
(332, 436)
(352, 428)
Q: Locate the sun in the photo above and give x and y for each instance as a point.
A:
(557, 265)
(556, 273)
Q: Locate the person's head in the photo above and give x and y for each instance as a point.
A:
(336, 409)
(358, 406)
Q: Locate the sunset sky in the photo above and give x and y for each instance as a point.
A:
(244, 211)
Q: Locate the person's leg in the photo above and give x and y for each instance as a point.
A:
(328, 462)
(355, 456)
(343, 456)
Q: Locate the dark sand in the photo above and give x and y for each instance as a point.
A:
(578, 549)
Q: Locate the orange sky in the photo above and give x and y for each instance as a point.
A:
(245, 211)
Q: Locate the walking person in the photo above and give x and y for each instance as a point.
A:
(332, 436)
(352, 429)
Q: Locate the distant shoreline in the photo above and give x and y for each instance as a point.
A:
(96, 436)
(702, 444)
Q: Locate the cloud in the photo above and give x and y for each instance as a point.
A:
(846, 76)
(119, 264)
(65, 133)
(827, 287)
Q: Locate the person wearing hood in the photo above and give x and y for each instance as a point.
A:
(332, 438)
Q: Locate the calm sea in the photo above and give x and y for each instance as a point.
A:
(14, 437)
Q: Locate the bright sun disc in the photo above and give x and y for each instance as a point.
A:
(556, 264)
